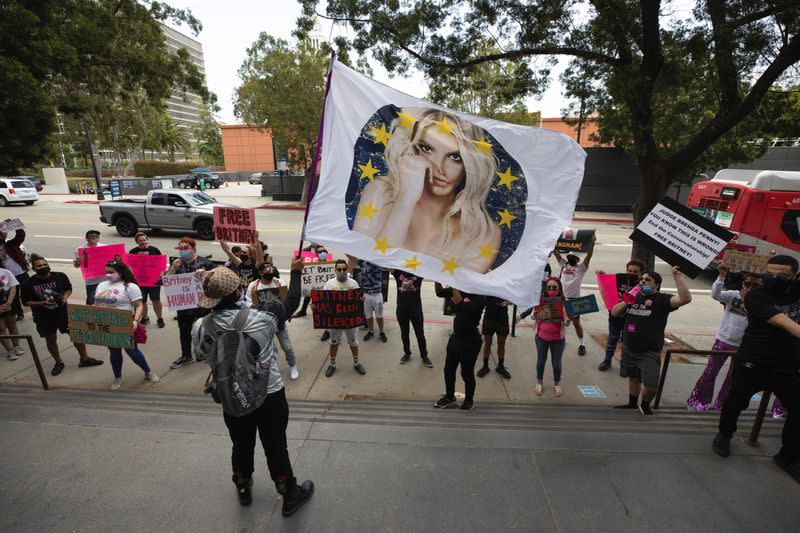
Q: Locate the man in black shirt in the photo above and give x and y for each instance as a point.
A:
(143, 247)
(643, 335)
(769, 359)
(409, 309)
(495, 320)
(615, 324)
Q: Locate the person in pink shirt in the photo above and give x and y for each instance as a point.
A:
(550, 336)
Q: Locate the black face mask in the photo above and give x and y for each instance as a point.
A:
(776, 283)
(267, 277)
(43, 272)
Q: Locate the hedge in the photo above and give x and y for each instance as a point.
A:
(151, 168)
(105, 173)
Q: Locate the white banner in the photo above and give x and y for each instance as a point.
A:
(470, 202)
(315, 275)
(183, 291)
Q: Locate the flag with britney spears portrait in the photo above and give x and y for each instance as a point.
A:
(471, 202)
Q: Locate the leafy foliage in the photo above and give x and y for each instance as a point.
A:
(209, 137)
(151, 168)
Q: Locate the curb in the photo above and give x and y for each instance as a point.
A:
(290, 207)
(81, 201)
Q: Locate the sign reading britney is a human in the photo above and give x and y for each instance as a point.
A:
(467, 201)
(235, 224)
(183, 291)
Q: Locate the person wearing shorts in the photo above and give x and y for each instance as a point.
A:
(371, 282)
(572, 272)
(495, 321)
(643, 335)
(342, 282)
(152, 293)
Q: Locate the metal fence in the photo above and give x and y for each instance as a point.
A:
(34, 354)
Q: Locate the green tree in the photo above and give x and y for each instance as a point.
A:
(172, 138)
(715, 66)
(71, 55)
(209, 137)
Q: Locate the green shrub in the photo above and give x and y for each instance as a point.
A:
(151, 168)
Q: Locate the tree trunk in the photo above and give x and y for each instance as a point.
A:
(654, 180)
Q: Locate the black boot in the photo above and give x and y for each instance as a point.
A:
(244, 488)
(297, 495)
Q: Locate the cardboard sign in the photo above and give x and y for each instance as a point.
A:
(315, 275)
(681, 237)
(183, 291)
(613, 286)
(578, 241)
(101, 326)
(738, 261)
(146, 268)
(311, 257)
(235, 224)
(581, 306)
(273, 293)
(550, 310)
(12, 224)
(95, 259)
(338, 309)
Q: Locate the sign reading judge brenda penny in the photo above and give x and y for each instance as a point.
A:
(102, 326)
(235, 224)
(338, 309)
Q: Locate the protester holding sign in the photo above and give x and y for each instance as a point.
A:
(572, 272)
(321, 255)
(550, 337)
(246, 263)
(120, 291)
(187, 262)
(409, 310)
(8, 314)
(615, 324)
(643, 335)
(82, 258)
(153, 293)
(46, 293)
(12, 258)
(342, 282)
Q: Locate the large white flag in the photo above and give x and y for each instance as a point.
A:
(470, 202)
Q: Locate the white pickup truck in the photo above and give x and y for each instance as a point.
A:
(189, 211)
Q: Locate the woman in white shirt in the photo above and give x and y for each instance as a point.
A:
(120, 291)
(8, 314)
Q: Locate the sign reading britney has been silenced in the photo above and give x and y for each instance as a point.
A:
(338, 309)
(681, 237)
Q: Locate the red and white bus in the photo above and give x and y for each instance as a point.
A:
(762, 207)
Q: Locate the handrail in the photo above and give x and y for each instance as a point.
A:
(34, 354)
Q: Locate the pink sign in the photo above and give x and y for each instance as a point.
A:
(311, 257)
(235, 224)
(146, 268)
(95, 259)
(608, 289)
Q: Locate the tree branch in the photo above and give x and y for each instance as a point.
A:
(607, 9)
(724, 61)
(753, 17)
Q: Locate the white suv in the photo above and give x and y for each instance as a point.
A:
(15, 190)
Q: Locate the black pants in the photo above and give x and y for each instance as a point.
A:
(461, 350)
(306, 301)
(185, 322)
(270, 420)
(17, 305)
(784, 384)
(413, 315)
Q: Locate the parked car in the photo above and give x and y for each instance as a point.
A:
(17, 190)
(211, 179)
(255, 179)
(170, 210)
(32, 179)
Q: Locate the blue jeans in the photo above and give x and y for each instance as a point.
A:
(614, 330)
(556, 351)
(136, 356)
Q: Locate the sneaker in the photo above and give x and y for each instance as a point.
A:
(644, 408)
(296, 497)
(405, 358)
(626, 406)
(557, 391)
(152, 378)
(467, 406)
(18, 350)
(360, 368)
(382, 336)
(605, 365)
(20, 318)
(325, 336)
(503, 371)
(482, 371)
(12, 356)
(57, 368)
(293, 372)
(144, 321)
(182, 361)
(790, 467)
(539, 389)
(89, 361)
(581, 350)
(721, 445)
(445, 403)
(116, 384)
(160, 323)
(426, 361)
(368, 336)
(244, 489)
(329, 371)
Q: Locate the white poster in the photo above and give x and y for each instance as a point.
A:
(315, 275)
(183, 291)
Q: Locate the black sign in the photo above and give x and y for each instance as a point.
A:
(581, 242)
(338, 309)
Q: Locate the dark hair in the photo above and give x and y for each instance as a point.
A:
(36, 257)
(638, 263)
(139, 234)
(318, 246)
(125, 274)
(570, 256)
(263, 245)
(92, 232)
(656, 277)
(785, 260)
(265, 266)
(560, 288)
(236, 249)
(340, 261)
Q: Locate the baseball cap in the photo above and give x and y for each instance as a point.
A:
(217, 284)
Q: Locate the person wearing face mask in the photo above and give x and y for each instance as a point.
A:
(550, 336)
(120, 291)
(643, 335)
(12, 258)
(92, 241)
(46, 293)
(615, 324)
(769, 359)
(322, 255)
(246, 262)
(267, 280)
(188, 261)
(153, 293)
(342, 282)
(8, 314)
(572, 272)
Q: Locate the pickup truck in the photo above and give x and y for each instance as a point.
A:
(170, 210)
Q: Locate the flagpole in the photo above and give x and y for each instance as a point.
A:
(313, 181)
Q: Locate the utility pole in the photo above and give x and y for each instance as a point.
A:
(96, 169)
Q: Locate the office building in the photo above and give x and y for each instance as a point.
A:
(185, 107)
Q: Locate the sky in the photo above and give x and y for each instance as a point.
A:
(230, 27)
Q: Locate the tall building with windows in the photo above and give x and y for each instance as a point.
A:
(185, 107)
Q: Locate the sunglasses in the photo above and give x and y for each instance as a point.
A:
(341, 270)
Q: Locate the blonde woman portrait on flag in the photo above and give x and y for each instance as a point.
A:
(432, 199)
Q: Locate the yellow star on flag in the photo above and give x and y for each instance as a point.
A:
(450, 265)
(412, 264)
(444, 126)
(368, 211)
(406, 120)
(506, 178)
(381, 135)
(368, 171)
(483, 147)
(487, 251)
(506, 218)
(382, 245)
